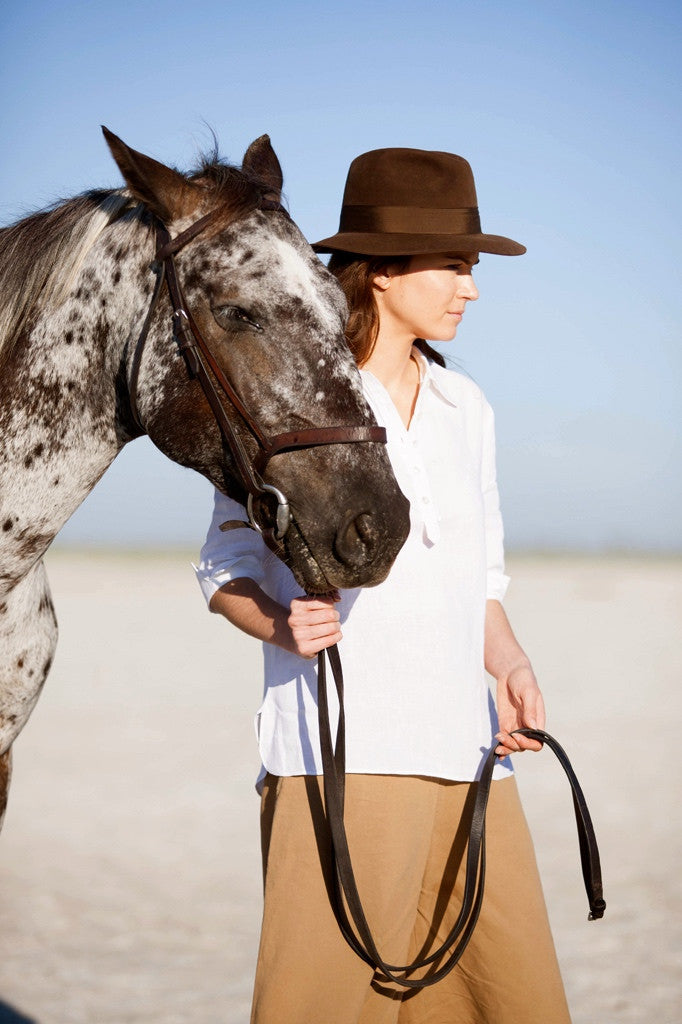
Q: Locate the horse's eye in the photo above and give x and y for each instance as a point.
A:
(234, 316)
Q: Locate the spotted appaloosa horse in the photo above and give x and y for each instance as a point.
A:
(76, 287)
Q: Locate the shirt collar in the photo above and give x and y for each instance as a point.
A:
(432, 377)
(436, 378)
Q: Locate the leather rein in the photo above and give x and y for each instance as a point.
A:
(346, 902)
(203, 366)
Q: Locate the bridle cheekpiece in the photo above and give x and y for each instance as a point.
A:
(202, 366)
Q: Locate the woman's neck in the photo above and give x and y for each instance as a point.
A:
(394, 363)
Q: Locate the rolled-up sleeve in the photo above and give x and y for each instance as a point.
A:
(230, 555)
(497, 581)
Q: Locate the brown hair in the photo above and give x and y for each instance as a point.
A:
(355, 274)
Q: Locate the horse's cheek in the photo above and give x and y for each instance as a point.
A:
(180, 423)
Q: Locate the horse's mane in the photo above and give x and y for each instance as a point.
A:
(40, 256)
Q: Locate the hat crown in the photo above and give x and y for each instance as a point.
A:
(410, 177)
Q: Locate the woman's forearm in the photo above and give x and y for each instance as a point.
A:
(503, 653)
(519, 701)
(243, 603)
(305, 628)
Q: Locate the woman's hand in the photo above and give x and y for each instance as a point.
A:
(519, 705)
(313, 624)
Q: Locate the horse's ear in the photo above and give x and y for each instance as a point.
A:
(261, 160)
(166, 192)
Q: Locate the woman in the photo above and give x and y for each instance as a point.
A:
(418, 711)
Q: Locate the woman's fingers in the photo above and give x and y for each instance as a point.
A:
(314, 616)
(514, 744)
(312, 613)
(314, 624)
(507, 744)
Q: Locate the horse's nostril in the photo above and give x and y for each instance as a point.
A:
(356, 540)
(364, 526)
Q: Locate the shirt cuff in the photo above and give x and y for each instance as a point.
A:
(211, 581)
(497, 587)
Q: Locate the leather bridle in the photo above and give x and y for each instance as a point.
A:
(203, 367)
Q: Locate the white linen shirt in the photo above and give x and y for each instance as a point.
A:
(417, 701)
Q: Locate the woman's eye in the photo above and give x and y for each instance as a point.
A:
(231, 316)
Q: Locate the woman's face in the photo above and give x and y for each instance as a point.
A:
(428, 299)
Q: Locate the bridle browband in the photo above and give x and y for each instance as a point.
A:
(202, 366)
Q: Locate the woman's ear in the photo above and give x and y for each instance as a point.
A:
(382, 281)
(388, 270)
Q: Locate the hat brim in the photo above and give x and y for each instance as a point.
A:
(403, 244)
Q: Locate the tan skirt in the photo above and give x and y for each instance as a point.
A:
(407, 848)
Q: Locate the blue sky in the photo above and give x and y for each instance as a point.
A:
(569, 114)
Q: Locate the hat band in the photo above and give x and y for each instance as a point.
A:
(410, 219)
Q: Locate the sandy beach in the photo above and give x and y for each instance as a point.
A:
(129, 863)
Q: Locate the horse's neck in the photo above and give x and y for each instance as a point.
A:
(60, 407)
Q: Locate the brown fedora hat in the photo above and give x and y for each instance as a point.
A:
(401, 202)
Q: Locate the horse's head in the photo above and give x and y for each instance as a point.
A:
(272, 318)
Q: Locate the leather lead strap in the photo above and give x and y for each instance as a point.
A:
(346, 902)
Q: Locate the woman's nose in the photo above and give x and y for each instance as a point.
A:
(467, 288)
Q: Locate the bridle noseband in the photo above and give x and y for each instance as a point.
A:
(203, 366)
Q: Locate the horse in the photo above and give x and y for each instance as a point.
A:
(95, 352)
